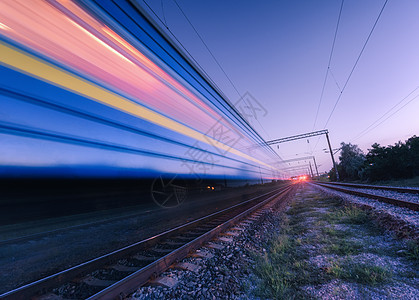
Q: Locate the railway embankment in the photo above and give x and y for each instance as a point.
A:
(23, 261)
(403, 221)
(319, 246)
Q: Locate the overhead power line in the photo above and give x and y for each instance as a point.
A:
(297, 137)
(164, 16)
(180, 43)
(206, 46)
(336, 82)
(370, 128)
(352, 70)
(356, 63)
(201, 69)
(215, 59)
(328, 64)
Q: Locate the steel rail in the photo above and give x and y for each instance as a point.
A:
(47, 283)
(132, 282)
(378, 187)
(401, 203)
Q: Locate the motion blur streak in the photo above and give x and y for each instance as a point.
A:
(60, 43)
(60, 37)
(54, 75)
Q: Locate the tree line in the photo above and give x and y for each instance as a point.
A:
(380, 163)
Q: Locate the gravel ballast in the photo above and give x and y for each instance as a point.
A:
(385, 193)
(318, 247)
(25, 261)
(402, 220)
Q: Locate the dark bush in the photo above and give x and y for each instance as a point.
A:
(380, 163)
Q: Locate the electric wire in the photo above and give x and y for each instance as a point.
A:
(356, 62)
(180, 43)
(336, 82)
(201, 68)
(369, 129)
(164, 16)
(353, 68)
(208, 49)
(215, 59)
(328, 64)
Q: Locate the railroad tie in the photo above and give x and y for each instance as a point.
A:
(50, 296)
(202, 254)
(215, 246)
(224, 239)
(123, 268)
(171, 243)
(188, 267)
(162, 250)
(93, 281)
(144, 258)
(237, 228)
(165, 281)
(232, 233)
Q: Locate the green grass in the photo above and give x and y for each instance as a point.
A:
(358, 272)
(297, 228)
(348, 214)
(284, 267)
(335, 270)
(299, 209)
(332, 232)
(343, 247)
(412, 251)
(275, 268)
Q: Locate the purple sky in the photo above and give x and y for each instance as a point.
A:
(279, 50)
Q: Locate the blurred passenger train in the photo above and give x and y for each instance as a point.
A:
(94, 89)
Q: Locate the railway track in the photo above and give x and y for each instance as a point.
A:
(120, 272)
(346, 188)
(377, 187)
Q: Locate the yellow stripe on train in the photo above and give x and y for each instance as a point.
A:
(35, 67)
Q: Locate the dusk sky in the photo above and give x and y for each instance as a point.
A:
(279, 51)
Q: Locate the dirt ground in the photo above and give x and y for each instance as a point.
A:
(325, 248)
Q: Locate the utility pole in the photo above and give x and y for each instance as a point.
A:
(315, 164)
(308, 135)
(311, 169)
(333, 158)
(303, 158)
